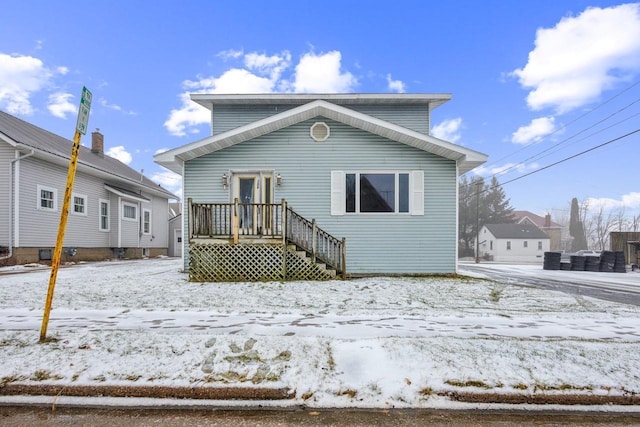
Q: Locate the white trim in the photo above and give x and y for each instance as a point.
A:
(108, 203)
(131, 205)
(39, 189)
(416, 196)
(337, 193)
(85, 204)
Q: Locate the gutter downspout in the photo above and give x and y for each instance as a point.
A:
(12, 193)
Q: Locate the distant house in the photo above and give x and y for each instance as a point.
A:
(367, 189)
(115, 211)
(550, 228)
(175, 229)
(513, 243)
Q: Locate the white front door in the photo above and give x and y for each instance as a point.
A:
(254, 191)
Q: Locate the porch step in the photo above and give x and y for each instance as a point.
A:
(321, 265)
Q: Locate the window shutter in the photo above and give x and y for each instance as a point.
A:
(337, 193)
(417, 193)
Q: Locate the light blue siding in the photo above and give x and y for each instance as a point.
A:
(414, 117)
(376, 243)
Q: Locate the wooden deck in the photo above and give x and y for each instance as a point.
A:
(259, 230)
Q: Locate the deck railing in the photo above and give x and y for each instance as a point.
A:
(265, 220)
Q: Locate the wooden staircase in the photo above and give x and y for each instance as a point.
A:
(259, 242)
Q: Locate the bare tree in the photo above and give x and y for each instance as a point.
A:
(602, 226)
(620, 220)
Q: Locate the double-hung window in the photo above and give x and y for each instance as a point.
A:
(146, 221)
(400, 192)
(47, 198)
(104, 215)
(79, 205)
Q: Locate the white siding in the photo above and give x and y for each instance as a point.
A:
(6, 156)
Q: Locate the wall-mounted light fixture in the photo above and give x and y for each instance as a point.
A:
(225, 181)
(278, 180)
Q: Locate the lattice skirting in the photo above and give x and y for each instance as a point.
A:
(249, 263)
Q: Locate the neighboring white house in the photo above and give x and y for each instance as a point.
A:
(513, 243)
(115, 210)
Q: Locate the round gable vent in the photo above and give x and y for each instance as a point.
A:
(320, 131)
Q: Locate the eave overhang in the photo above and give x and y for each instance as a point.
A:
(465, 158)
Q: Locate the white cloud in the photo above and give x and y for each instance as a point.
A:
(273, 66)
(630, 201)
(169, 180)
(396, 85)
(534, 131)
(190, 114)
(448, 130)
(20, 78)
(60, 106)
(230, 54)
(579, 58)
(103, 102)
(262, 74)
(322, 74)
(119, 152)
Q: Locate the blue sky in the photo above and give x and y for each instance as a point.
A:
(533, 82)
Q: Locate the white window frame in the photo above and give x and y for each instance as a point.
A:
(415, 189)
(144, 212)
(131, 205)
(39, 189)
(100, 216)
(85, 205)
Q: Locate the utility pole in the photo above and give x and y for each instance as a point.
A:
(478, 221)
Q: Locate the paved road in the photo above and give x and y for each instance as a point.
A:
(46, 417)
(617, 287)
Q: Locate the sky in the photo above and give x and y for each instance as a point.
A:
(371, 342)
(549, 90)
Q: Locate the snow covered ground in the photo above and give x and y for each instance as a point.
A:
(376, 342)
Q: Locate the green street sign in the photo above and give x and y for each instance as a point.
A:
(83, 112)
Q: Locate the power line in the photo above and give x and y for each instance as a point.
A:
(573, 156)
(561, 128)
(557, 163)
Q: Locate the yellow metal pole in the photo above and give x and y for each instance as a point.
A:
(55, 262)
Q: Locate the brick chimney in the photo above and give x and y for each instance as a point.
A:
(97, 143)
(547, 221)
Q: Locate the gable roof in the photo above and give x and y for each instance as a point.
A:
(539, 221)
(465, 158)
(56, 149)
(516, 231)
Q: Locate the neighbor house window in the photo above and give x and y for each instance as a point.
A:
(146, 221)
(539, 246)
(104, 215)
(79, 206)
(508, 245)
(491, 244)
(47, 198)
(129, 211)
(526, 244)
